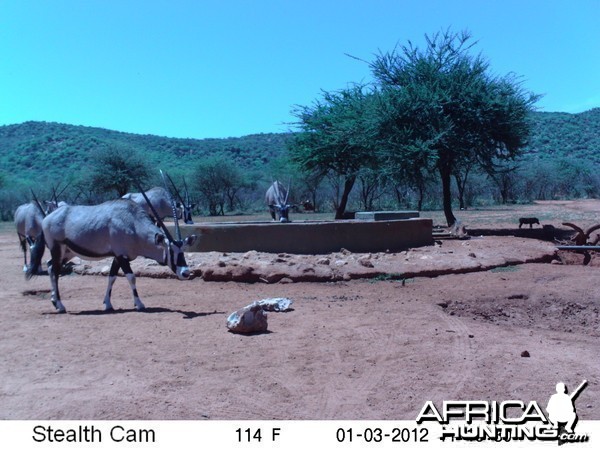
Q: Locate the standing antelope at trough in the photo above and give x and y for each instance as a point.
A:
(119, 228)
(185, 201)
(159, 198)
(276, 198)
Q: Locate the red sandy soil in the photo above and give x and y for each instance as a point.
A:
(374, 338)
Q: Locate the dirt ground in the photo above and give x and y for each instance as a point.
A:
(369, 337)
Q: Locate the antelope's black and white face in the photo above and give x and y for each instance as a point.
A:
(175, 256)
(187, 213)
(283, 212)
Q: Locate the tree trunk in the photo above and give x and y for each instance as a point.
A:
(460, 186)
(348, 185)
(446, 176)
(421, 190)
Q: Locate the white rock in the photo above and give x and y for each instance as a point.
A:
(279, 304)
(250, 319)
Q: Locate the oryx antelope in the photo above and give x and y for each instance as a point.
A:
(119, 228)
(28, 221)
(276, 198)
(160, 199)
(185, 201)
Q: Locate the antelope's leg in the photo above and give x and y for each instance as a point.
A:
(23, 242)
(112, 276)
(131, 278)
(54, 273)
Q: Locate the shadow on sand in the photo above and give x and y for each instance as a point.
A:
(185, 314)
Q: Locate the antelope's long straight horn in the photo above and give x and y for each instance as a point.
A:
(39, 205)
(55, 197)
(287, 194)
(277, 194)
(186, 193)
(174, 188)
(63, 190)
(173, 206)
(158, 220)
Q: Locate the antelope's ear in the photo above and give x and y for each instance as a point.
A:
(190, 240)
(159, 238)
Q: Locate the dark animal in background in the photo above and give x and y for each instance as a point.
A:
(528, 221)
(308, 206)
(276, 198)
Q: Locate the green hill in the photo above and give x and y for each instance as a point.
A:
(566, 135)
(561, 159)
(32, 150)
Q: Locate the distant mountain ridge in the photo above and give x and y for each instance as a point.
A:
(30, 149)
(566, 135)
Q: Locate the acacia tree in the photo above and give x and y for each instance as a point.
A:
(310, 181)
(219, 181)
(372, 184)
(337, 137)
(115, 169)
(448, 103)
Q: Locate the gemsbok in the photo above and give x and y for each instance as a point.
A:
(185, 201)
(28, 222)
(118, 228)
(276, 199)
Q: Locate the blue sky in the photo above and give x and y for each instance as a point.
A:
(221, 68)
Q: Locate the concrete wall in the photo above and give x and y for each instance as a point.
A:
(311, 237)
(386, 215)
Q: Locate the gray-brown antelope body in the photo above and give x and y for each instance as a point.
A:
(276, 198)
(119, 228)
(28, 222)
(160, 199)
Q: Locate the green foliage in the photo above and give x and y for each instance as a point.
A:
(117, 170)
(336, 132)
(337, 136)
(561, 160)
(59, 148)
(219, 181)
(443, 109)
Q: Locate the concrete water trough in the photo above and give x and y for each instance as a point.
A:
(385, 215)
(311, 237)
